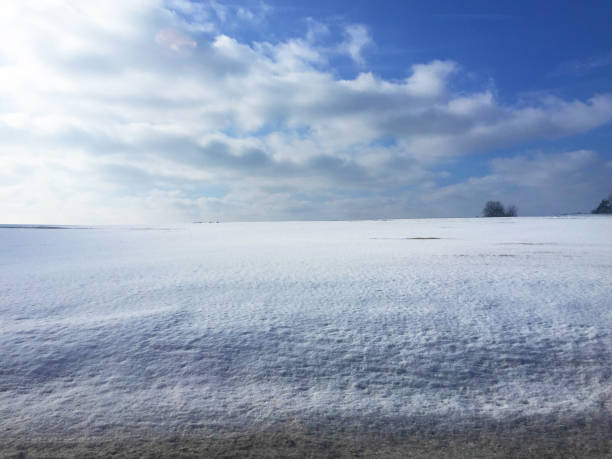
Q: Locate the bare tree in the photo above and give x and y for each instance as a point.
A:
(605, 206)
(493, 209)
(496, 209)
(511, 211)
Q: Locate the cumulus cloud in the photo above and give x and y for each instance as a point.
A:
(357, 38)
(151, 110)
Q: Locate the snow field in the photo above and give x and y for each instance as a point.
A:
(216, 326)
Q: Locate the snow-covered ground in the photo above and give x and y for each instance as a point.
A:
(213, 326)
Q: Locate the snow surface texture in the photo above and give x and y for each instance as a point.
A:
(212, 326)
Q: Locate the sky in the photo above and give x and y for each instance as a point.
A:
(170, 111)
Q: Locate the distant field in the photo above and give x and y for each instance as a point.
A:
(439, 337)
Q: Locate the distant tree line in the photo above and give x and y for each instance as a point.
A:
(496, 209)
(604, 207)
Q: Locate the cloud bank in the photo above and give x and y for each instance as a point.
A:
(153, 111)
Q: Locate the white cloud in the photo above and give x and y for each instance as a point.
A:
(357, 38)
(430, 79)
(162, 88)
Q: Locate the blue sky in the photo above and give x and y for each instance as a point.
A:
(148, 111)
(523, 45)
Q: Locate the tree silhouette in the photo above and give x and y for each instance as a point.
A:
(604, 207)
(496, 209)
(511, 211)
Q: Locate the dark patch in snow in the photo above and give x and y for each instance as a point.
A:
(406, 238)
(43, 227)
(526, 243)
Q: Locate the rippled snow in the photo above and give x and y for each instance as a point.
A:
(216, 325)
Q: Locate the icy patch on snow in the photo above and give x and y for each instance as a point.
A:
(248, 323)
